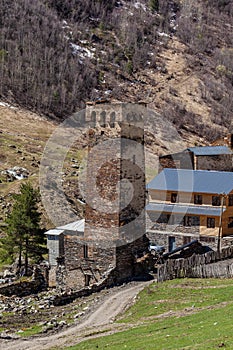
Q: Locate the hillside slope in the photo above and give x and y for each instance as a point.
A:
(56, 55)
(176, 55)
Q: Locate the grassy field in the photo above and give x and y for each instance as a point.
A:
(178, 314)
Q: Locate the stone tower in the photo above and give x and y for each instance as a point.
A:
(105, 252)
(115, 185)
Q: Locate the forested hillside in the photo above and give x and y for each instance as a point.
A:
(176, 55)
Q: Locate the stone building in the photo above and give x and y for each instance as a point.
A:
(113, 235)
(190, 204)
(200, 158)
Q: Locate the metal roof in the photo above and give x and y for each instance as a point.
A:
(54, 232)
(197, 181)
(184, 209)
(77, 226)
(210, 150)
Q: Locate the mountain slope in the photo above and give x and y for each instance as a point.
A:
(176, 55)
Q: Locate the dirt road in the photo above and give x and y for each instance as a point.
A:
(100, 320)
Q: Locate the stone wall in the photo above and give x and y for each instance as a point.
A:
(181, 160)
(219, 163)
(186, 160)
(35, 284)
(82, 271)
(152, 224)
(115, 199)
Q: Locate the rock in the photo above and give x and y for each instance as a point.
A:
(79, 314)
(8, 274)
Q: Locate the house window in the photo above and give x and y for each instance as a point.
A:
(187, 221)
(174, 197)
(230, 200)
(210, 222)
(171, 243)
(230, 222)
(197, 199)
(191, 221)
(85, 251)
(216, 201)
(163, 218)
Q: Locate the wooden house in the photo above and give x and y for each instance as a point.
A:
(190, 204)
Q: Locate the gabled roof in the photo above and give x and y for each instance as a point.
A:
(210, 150)
(74, 226)
(197, 181)
(184, 209)
(54, 232)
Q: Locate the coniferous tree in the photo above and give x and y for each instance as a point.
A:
(24, 236)
(154, 5)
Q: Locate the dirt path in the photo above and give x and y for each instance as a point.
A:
(99, 322)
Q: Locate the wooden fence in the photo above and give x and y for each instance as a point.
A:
(211, 264)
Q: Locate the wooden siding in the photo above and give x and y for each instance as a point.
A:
(188, 198)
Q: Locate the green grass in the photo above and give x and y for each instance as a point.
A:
(178, 314)
(27, 332)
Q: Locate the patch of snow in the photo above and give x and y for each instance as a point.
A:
(84, 41)
(81, 51)
(163, 34)
(65, 25)
(139, 5)
(16, 172)
(4, 104)
(94, 19)
(108, 92)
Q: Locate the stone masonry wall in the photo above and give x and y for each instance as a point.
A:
(219, 163)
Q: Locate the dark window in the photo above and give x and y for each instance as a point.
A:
(230, 222)
(85, 251)
(230, 200)
(196, 220)
(191, 221)
(163, 219)
(112, 119)
(171, 243)
(103, 119)
(174, 197)
(197, 199)
(216, 200)
(93, 117)
(188, 221)
(210, 222)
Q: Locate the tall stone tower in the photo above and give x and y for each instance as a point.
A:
(115, 182)
(106, 251)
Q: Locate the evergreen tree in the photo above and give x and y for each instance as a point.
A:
(154, 5)
(24, 236)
